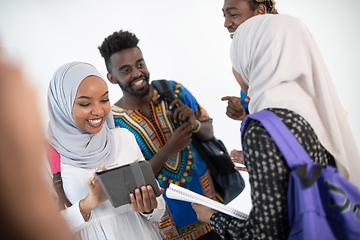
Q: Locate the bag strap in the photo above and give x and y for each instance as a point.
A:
(291, 149)
(165, 91)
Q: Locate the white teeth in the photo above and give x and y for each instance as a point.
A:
(95, 121)
(139, 82)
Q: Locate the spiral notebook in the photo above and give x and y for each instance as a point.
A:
(183, 194)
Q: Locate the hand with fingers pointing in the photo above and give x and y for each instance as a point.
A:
(235, 109)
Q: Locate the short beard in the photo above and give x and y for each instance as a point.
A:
(128, 89)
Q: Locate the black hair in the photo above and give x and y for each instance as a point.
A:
(269, 4)
(116, 42)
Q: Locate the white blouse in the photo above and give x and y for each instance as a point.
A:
(107, 222)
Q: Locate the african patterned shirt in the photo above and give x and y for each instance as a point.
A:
(268, 177)
(185, 168)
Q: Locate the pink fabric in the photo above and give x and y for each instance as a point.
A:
(53, 158)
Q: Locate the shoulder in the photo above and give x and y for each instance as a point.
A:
(122, 133)
(175, 85)
(256, 131)
(116, 110)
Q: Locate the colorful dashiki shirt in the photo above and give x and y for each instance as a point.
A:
(184, 168)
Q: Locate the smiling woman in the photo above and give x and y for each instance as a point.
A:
(82, 131)
(91, 106)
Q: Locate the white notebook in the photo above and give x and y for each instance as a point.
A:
(183, 194)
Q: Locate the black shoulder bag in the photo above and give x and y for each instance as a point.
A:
(227, 180)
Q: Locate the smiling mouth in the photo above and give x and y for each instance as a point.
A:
(139, 81)
(95, 122)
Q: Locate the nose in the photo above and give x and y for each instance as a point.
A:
(136, 73)
(97, 110)
(227, 22)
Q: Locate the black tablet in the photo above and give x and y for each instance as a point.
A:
(119, 181)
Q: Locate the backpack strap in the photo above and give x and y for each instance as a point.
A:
(294, 154)
(165, 91)
(291, 149)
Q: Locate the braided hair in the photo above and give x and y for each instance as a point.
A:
(116, 42)
(269, 4)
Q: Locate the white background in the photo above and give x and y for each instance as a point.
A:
(182, 40)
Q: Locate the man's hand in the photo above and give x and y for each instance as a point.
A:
(182, 113)
(203, 213)
(179, 140)
(235, 110)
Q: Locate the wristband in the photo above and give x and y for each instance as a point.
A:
(198, 128)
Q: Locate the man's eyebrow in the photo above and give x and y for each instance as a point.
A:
(229, 8)
(122, 67)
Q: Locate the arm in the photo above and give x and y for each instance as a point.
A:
(190, 106)
(80, 212)
(206, 131)
(183, 113)
(182, 135)
(25, 194)
(95, 197)
(182, 110)
(177, 142)
(268, 174)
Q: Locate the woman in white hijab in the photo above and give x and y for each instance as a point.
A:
(82, 131)
(278, 64)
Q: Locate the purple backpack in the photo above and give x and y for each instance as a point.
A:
(321, 203)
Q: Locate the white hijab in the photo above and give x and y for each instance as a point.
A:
(75, 146)
(279, 60)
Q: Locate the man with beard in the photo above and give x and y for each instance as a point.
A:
(163, 132)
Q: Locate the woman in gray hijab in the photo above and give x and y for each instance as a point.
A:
(82, 131)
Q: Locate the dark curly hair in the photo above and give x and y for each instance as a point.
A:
(116, 42)
(269, 4)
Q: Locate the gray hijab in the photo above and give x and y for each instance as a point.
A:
(75, 146)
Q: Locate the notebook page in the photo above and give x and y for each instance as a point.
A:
(180, 193)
